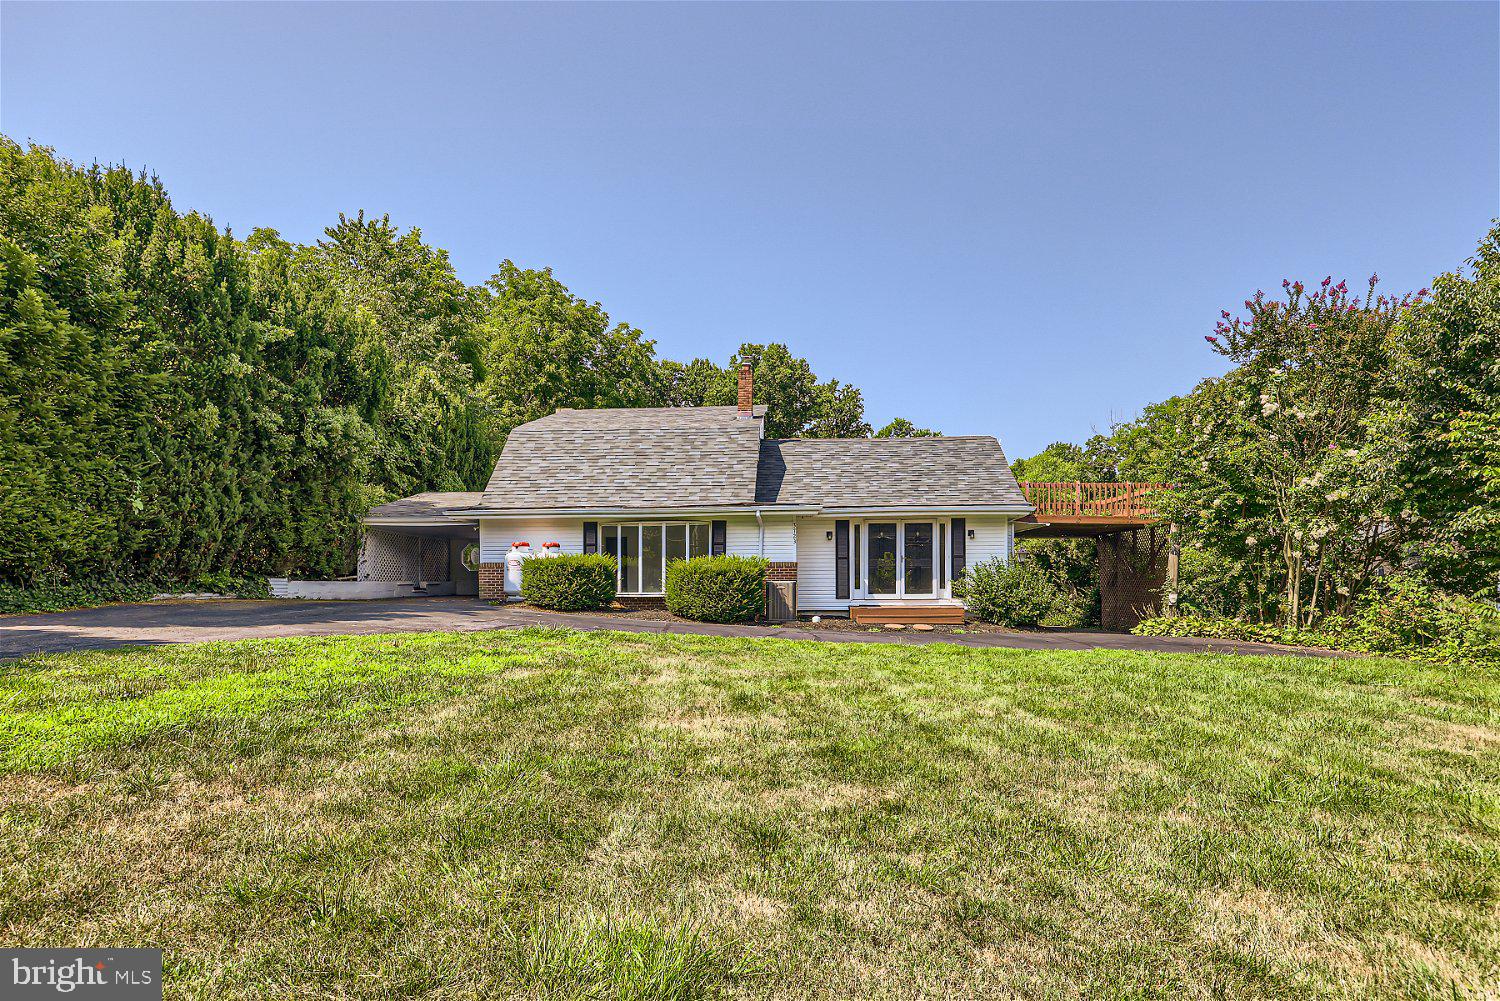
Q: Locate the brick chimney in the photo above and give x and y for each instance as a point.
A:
(747, 376)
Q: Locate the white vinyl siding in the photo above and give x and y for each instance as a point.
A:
(991, 539)
(496, 535)
(816, 582)
(742, 538)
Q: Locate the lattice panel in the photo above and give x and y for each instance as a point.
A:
(435, 559)
(394, 557)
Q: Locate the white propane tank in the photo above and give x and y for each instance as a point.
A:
(550, 549)
(519, 553)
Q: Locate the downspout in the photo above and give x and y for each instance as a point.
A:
(761, 528)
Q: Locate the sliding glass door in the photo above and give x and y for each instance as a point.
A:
(900, 558)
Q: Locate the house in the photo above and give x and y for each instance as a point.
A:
(854, 522)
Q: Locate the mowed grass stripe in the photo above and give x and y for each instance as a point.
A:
(557, 814)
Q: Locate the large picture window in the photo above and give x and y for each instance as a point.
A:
(643, 550)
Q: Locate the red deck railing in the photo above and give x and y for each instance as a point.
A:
(1126, 501)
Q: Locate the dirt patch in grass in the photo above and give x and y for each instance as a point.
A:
(1464, 738)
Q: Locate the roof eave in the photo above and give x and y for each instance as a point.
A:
(1015, 509)
(610, 512)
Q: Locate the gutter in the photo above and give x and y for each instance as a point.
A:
(462, 515)
(1014, 509)
(625, 512)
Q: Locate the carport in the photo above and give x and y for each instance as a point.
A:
(414, 541)
(410, 547)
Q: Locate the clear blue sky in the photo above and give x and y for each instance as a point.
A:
(1006, 219)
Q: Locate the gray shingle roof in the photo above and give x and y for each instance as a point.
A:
(433, 504)
(658, 457)
(886, 472)
(685, 457)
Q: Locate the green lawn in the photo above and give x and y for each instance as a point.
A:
(555, 814)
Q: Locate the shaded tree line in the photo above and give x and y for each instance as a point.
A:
(1357, 437)
(176, 402)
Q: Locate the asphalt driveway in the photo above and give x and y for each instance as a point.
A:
(199, 621)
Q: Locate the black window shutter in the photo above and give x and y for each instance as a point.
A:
(958, 547)
(716, 532)
(942, 571)
(841, 560)
(591, 536)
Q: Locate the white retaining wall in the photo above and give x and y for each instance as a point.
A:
(353, 590)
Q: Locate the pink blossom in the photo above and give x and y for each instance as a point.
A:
(1210, 338)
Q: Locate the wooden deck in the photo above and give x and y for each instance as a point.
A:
(1076, 508)
(932, 615)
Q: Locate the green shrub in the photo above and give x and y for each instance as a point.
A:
(1074, 565)
(225, 582)
(1402, 615)
(54, 593)
(717, 588)
(569, 583)
(1212, 584)
(1018, 593)
(1210, 627)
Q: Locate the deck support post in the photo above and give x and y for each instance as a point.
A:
(1169, 599)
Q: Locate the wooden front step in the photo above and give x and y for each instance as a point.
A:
(934, 615)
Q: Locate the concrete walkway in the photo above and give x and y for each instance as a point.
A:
(199, 621)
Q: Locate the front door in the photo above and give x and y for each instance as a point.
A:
(899, 558)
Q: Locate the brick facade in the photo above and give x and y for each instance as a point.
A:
(782, 571)
(1132, 570)
(642, 602)
(492, 581)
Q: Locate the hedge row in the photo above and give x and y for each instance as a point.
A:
(54, 593)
